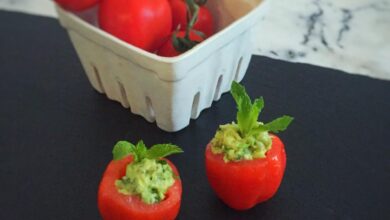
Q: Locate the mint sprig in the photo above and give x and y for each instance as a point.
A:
(122, 149)
(139, 151)
(279, 124)
(162, 150)
(248, 113)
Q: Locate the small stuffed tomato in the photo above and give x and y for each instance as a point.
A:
(142, 185)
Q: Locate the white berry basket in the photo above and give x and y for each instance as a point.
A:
(170, 91)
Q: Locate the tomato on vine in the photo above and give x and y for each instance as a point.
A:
(77, 5)
(183, 40)
(146, 24)
(179, 44)
(204, 22)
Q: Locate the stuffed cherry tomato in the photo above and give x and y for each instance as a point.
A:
(139, 184)
(244, 162)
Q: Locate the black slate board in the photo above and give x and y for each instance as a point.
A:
(56, 135)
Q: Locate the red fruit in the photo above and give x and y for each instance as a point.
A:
(76, 5)
(242, 185)
(143, 23)
(116, 206)
(168, 50)
(205, 22)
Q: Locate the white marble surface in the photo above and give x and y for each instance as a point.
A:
(39, 7)
(350, 35)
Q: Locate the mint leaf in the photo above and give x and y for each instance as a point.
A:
(247, 114)
(162, 150)
(140, 151)
(256, 108)
(244, 106)
(279, 124)
(122, 149)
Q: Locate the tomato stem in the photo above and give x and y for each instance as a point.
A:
(185, 43)
(192, 15)
(201, 2)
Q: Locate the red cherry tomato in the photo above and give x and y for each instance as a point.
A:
(116, 206)
(77, 5)
(143, 23)
(242, 185)
(168, 50)
(205, 22)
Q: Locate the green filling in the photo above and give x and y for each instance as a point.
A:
(236, 147)
(248, 139)
(150, 179)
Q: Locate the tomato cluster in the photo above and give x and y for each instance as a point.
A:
(164, 27)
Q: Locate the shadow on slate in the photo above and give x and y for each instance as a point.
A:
(57, 133)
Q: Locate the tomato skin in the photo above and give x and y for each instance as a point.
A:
(76, 5)
(242, 185)
(205, 22)
(168, 50)
(115, 206)
(143, 23)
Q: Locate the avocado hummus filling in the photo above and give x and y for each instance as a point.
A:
(235, 147)
(150, 179)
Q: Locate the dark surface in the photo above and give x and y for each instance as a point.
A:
(57, 133)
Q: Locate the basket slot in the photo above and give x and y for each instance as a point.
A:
(98, 79)
(217, 93)
(237, 75)
(195, 106)
(149, 107)
(124, 100)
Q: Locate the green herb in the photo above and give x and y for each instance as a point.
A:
(279, 124)
(248, 114)
(140, 151)
(162, 150)
(248, 138)
(122, 149)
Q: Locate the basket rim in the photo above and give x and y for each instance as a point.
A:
(168, 69)
(154, 56)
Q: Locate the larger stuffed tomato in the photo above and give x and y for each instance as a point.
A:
(257, 180)
(244, 162)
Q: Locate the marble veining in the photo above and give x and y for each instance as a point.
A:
(347, 16)
(350, 35)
